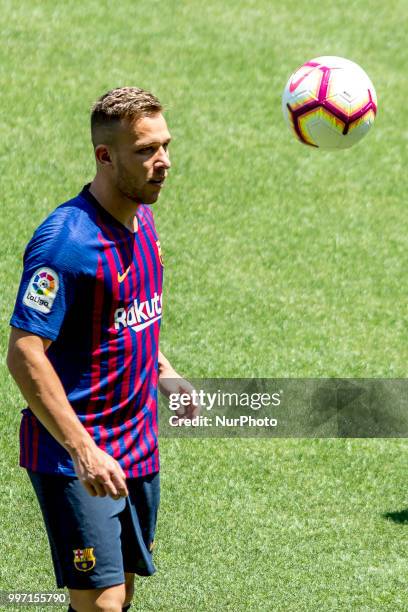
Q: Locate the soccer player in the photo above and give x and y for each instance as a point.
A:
(84, 351)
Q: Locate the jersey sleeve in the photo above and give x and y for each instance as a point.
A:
(48, 284)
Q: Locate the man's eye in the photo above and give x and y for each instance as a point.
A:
(145, 150)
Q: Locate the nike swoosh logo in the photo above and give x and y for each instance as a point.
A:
(294, 84)
(121, 277)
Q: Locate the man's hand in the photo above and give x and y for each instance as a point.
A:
(100, 473)
(171, 382)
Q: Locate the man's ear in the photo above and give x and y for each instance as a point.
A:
(102, 155)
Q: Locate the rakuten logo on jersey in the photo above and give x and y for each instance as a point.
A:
(140, 314)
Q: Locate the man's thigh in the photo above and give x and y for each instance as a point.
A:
(139, 524)
(84, 533)
(98, 542)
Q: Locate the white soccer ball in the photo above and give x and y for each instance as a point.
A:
(329, 102)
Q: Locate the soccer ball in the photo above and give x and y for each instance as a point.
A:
(329, 103)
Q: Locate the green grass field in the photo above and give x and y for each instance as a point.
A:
(280, 261)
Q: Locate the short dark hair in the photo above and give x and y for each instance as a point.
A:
(117, 104)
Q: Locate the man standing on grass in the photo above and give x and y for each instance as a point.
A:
(84, 350)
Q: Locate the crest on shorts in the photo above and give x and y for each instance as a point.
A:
(84, 559)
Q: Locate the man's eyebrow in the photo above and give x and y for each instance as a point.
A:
(149, 143)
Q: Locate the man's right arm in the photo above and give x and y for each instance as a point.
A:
(30, 367)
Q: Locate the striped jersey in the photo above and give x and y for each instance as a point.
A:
(94, 288)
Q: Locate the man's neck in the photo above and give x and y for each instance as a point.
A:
(120, 207)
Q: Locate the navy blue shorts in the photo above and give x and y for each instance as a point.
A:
(94, 540)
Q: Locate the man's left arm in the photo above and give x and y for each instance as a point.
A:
(171, 382)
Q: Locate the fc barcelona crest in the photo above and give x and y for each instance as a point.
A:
(84, 559)
(160, 252)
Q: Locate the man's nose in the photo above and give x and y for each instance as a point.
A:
(163, 158)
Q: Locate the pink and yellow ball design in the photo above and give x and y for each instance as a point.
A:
(329, 102)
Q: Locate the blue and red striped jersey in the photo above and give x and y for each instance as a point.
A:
(95, 289)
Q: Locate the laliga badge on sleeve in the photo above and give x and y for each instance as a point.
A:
(42, 290)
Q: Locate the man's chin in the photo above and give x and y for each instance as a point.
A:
(147, 196)
(150, 198)
(142, 198)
